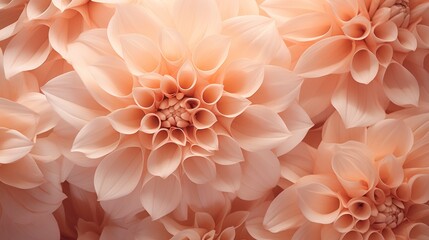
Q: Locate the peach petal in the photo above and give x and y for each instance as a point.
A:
(307, 27)
(63, 5)
(283, 10)
(255, 183)
(199, 170)
(227, 234)
(159, 138)
(204, 220)
(190, 234)
(227, 178)
(45, 150)
(373, 235)
(75, 109)
(177, 136)
(236, 219)
(126, 120)
(207, 138)
(344, 222)
(161, 196)
(194, 21)
(352, 235)
(118, 174)
(115, 232)
(211, 93)
(242, 77)
(210, 54)
(164, 160)
(352, 164)
(23, 174)
(18, 117)
(277, 82)
(259, 128)
(45, 225)
(18, 59)
(150, 123)
(13, 145)
(403, 192)
(308, 230)
(400, 85)
(145, 99)
(283, 212)
(231, 106)
(41, 9)
(96, 139)
(344, 10)
(405, 42)
(384, 54)
(360, 208)
(314, 63)
(297, 163)
(140, 53)
(172, 47)
(117, 211)
(418, 185)
(229, 151)
(334, 131)
(9, 24)
(202, 198)
(187, 78)
(358, 104)
(422, 34)
(364, 66)
(256, 230)
(203, 118)
(385, 32)
(358, 28)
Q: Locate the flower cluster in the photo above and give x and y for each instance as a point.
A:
(214, 119)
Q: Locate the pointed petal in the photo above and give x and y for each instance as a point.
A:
(98, 138)
(330, 55)
(334, 131)
(199, 170)
(364, 66)
(76, 109)
(161, 196)
(126, 120)
(227, 178)
(400, 85)
(307, 27)
(259, 128)
(210, 54)
(43, 227)
(118, 173)
(164, 160)
(13, 145)
(231, 106)
(18, 117)
(261, 172)
(23, 174)
(229, 151)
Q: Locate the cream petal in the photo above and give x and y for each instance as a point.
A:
(76, 109)
(259, 128)
(278, 90)
(283, 10)
(231, 106)
(96, 139)
(18, 117)
(382, 138)
(23, 173)
(63, 5)
(358, 104)
(353, 166)
(209, 55)
(227, 178)
(307, 27)
(126, 120)
(27, 50)
(199, 170)
(203, 118)
(283, 212)
(140, 53)
(330, 55)
(229, 151)
(118, 173)
(418, 185)
(400, 85)
(194, 20)
(261, 172)
(161, 196)
(364, 66)
(211, 94)
(13, 145)
(242, 77)
(164, 160)
(172, 47)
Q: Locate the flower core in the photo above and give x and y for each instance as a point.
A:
(390, 214)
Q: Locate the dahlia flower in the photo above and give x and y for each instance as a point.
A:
(181, 97)
(354, 53)
(364, 184)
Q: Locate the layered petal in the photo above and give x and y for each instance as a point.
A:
(164, 160)
(14, 145)
(400, 85)
(23, 173)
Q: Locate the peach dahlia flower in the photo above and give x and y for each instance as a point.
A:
(366, 183)
(181, 96)
(354, 53)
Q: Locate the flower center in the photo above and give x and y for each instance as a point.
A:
(175, 111)
(390, 214)
(400, 13)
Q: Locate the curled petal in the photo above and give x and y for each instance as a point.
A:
(211, 94)
(364, 66)
(207, 138)
(344, 10)
(187, 78)
(199, 170)
(18, 117)
(13, 145)
(203, 118)
(227, 178)
(150, 123)
(229, 151)
(357, 28)
(23, 173)
(418, 185)
(384, 54)
(385, 32)
(259, 128)
(118, 174)
(63, 5)
(360, 208)
(307, 27)
(178, 136)
(161, 196)
(406, 41)
(172, 47)
(126, 120)
(330, 55)
(145, 99)
(344, 222)
(210, 54)
(159, 138)
(231, 106)
(164, 160)
(41, 10)
(400, 85)
(98, 138)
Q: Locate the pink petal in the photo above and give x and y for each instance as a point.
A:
(358, 28)
(418, 185)
(297, 163)
(199, 170)
(164, 160)
(283, 212)
(46, 149)
(315, 63)
(334, 131)
(400, 85)
(161, 196)
(23, 173)
(227, 178)
(259, 128)
(277, 82)
(128, 205)
(17, 117)
(353, 166)
(44, 227)
(309, 230)
(40, 10)
(364, 66)
(358, 104)
(96, 139)
(76, 109)
(126, 120)
(229, 151)
(261, 172)
(118, 173)
(13, 145)
(116, 232)
(195, 20)
(210, 54)
(27, 50)
(63, 5)
(203, 198)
